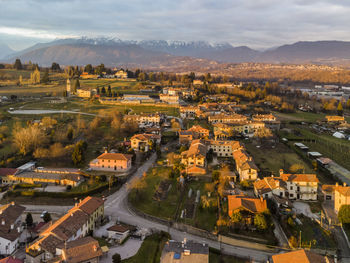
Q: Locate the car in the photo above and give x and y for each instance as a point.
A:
(43, 214)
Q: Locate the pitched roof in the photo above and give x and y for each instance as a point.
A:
(196, 148)
(145, 137)
(120, 228)
(196, 170)
(312, 178)
(10, 259)
(8, 215)
(90, 204)
(301, 256)
(268, 184)
(254, 205)
(248, 165)
(115, 156)
(7, 171)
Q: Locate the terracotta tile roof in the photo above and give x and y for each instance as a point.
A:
(49, 243)
(328, 188)
(343, 190)
(145, 137)
(248, 165)
(301, 256)
(254, 205)
(90, 204)
(7, 171)
(267, 184)
(240, 156)
(11, 260)
(120, 228)
(115, 156)
(312, 178)
(197, 148)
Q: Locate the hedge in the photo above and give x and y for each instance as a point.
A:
(58, 194)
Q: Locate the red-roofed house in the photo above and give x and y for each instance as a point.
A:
(111, 162)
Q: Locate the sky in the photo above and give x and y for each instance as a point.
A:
(255, 23)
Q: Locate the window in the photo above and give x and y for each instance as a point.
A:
(291, 188)
(291, 195)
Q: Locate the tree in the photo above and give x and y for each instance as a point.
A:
(28, 139)
(29, 219)
(55, 67)
(293, 242)
(236, 217)
(100, 69)
(89, 69)
(116, 258)
(47, 217)
(297, 168)
(76, 85)
(260, 221)
(340, 108)
(70, 134)
(348, 104)
(18, 64)
(344, 214)
(45, 79)
(35, 76)
(78, 152)
(103, 91)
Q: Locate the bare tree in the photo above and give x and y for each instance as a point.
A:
(28, 139)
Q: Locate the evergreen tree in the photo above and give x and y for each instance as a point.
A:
(98, 91)
(47, 217)
(55, 67)
(103, 91)
(29, 219)
(76, 85)
(45, 79)
(89, 69)
(109, 91)
(348, 104)
(18, 64)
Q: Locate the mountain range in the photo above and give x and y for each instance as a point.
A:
(163, 54)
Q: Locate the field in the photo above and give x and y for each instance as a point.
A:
(271, 160)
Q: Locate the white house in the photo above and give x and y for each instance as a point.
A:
(10, 227)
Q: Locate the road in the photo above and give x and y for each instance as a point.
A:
(116, 207)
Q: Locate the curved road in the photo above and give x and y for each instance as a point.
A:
(116, 207)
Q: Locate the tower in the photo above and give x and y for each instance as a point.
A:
(68, 87)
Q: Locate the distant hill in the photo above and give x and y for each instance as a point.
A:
(162, 54)
(5, 50)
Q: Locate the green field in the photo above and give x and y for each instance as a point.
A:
(273, 159)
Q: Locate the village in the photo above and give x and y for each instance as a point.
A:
(184, 169)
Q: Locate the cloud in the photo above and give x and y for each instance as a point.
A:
(256, 23)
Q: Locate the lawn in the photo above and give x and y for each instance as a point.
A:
(312, 234)
(150, 250)
(271, 160)
(203, 218)
(142, 199)
(300, 116)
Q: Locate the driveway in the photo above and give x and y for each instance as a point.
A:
(128, 249)
(304, 208)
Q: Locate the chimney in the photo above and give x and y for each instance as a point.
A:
(18, 229)
(281, 172)
(3, 222)
(261, 199)
(95, 248)
(185, 240)
(12, 203)
(106, 150)
(336, 184)
(12, 226)
(344, 184)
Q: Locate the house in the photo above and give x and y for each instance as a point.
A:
(10, 227)
(144, 119)
(112, 162)
(222, 118)
(335, 119)
(170, 99)
(121, 74)
(142, 142)
(189, 112)
(119, 232)
(338, 194)
(250, 205)
(195, 132)
(86, 75)
(82, 250)
(5, 172)
(270, 186)
(195, 155)
(245, 165)
(300, 186)
(301, 256)
(78, 222)
(84, 93)
(185, 252)
(224, 148)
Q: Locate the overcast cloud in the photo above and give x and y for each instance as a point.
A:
(256, 23)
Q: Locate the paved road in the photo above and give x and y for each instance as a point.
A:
(116, 207)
